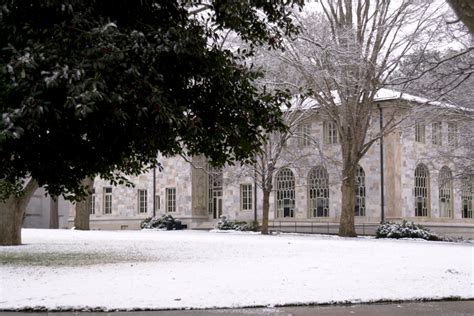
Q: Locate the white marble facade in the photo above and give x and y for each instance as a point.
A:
(401, 156)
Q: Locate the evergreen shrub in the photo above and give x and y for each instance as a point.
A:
(163, 222)
(225, 224)
(405, 230)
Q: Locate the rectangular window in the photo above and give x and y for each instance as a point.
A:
(329, 133)
(452, 134)
(157, 203)
(107, 200)
(420, 132)
(436, 135)
(92, 205)
(303, 135)
(142, 201)
(246, 197)
(171, 200)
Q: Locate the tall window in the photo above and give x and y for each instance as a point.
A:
(422, 184)
(467, 194)
(329, 132)
(216, 180)
(108, 200)
(445, 183)
(452, 134)
(318, 189)
(142, 201)
(359, 208)
(92, 205)
(420, 132)
(285, 193)
(246, 197)
(171, 200)
(304, 135)
(436, 135)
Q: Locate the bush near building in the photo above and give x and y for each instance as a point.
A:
(405, 230)
(225, 224)
(165, 222)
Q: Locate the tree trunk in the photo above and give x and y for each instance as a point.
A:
(11, 215)
(81, 218)
(54, 213)
(266, 209)
(348, 188)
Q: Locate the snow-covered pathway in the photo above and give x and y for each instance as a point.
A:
(191, 269)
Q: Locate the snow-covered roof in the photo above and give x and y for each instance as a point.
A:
(388, 94)
(384, 94)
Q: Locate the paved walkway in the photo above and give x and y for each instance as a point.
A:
(456, 308)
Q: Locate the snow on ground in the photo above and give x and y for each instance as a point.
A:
(195, 269)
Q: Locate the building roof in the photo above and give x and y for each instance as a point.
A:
(383, 94)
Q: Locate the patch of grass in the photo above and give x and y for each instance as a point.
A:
(65, 259)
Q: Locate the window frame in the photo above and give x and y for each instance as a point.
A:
(92, 202)
(285, 195)
(361, 193)
(171, 200)
(304, 134)
(246, 197)
(453, 134)
(445, 191)
(467, 197)
(330, 134)
(142, 202)
(107, 200)
(422, 190)
(437, 133)
(420, 132)
(318, 191)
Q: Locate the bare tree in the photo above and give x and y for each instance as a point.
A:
(344, 55)
(277, 153)
(446, 75)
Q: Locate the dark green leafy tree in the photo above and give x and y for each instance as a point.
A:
(465, 11)
(101, 87)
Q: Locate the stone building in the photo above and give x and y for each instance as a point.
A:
(45, 212)
(416, 186)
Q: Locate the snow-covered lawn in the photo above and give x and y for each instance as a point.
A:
(194, 269)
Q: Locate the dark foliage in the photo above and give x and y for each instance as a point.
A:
(101, 87)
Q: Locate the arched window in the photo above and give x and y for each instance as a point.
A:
(445, 183)
(215, 192)
(285, 193)
(422, 184)
(318, 192)
(467, 194)
(359, 209)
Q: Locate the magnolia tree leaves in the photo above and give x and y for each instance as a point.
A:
(102, 87)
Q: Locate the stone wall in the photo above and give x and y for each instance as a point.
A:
(414, 153)
(37, 214)
(401, 155)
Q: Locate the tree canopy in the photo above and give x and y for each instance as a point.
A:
(101, 87)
